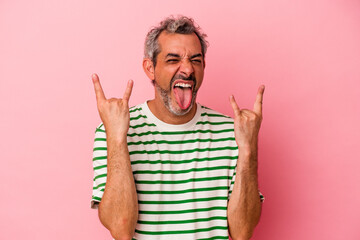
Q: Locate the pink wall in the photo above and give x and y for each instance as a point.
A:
(306, 52)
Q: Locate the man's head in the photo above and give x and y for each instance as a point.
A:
(174, 61)
(180, 25)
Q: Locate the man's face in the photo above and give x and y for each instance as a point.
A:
(179, 71)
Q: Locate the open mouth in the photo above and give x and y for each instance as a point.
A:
(183, 91)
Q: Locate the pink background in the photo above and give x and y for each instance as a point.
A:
(306, 52)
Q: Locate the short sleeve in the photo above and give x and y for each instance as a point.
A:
(232, 183)
(262, 198)
(99, 166)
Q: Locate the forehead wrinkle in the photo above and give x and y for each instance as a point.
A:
(172, 55)
(186, 55)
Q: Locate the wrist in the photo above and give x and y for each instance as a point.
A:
(248, 149)
(117, 139)
(247, 159)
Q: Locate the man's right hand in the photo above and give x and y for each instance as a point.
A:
(118, 208)
(114, 112)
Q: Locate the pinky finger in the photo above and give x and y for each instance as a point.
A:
(128, 90)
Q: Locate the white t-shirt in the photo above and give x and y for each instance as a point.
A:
(184, 174)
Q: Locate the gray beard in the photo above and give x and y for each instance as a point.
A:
(166, 99)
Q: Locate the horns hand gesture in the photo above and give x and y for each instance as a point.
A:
(247, 123)
(114, 112)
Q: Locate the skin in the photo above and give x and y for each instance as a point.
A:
(189, 62)
(244, 207)
(118, 210)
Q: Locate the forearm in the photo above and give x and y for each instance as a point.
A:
(118, 209)
(244, 206)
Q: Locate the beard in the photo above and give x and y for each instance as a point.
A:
(166, 98)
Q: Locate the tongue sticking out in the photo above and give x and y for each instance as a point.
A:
(183, 97)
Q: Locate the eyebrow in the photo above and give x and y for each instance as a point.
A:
(178, 56)
(196, 55)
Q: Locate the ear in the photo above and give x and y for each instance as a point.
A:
(149, 68)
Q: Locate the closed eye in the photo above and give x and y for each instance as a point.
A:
(172, 60)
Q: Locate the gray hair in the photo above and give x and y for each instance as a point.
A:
(180, 24)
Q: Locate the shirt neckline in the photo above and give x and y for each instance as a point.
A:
(166, 126)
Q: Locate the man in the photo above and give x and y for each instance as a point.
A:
(169, 164)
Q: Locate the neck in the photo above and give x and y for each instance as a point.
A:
(163, 114)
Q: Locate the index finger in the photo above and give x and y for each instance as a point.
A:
(258, 101)
(98, 89)
(128, 90)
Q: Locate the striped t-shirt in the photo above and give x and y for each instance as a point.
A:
(184, 174)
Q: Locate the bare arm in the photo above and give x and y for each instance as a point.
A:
(244, 207)
(118, 209)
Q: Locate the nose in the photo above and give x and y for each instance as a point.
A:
(186, 67)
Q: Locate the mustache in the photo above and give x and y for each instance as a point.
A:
(180, 76)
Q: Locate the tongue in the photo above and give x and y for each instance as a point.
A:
(183, 97)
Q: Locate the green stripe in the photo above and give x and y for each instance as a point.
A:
(100, 176)
(214, 115)
(181, 231)
(137, 117)
(184, 201)
(100, 167)
(183, 181)
(181, 133)
(214, 238)
(99, 149)
(100, 185)
(185, 211)
(173, 142)
(99, 158)
(169, 133)
(182, 171)
(206, 107)
(96, 198)
(172, 182)
(183, 221)
(100, 139)
(99, 130)
(174, 162)
(135, 109)
(143, 124)
(183, 151)
(185, 191)
(183, 161)
(181, 142)
(214, 123)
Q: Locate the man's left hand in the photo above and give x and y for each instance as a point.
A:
(247, 123)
